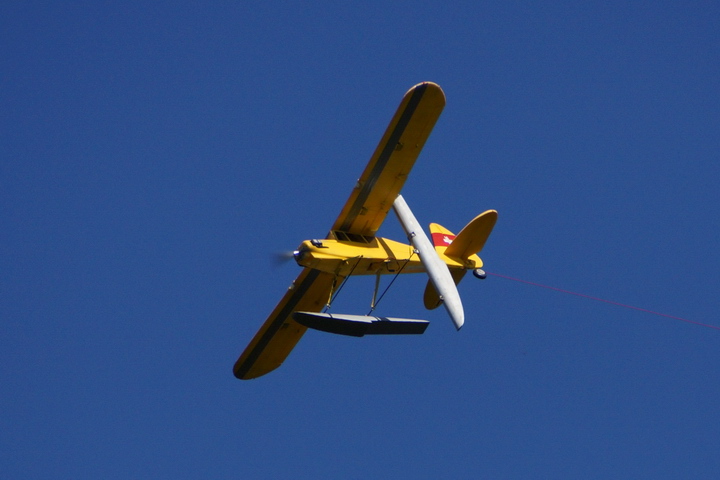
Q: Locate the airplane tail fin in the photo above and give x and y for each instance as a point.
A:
(466, 244)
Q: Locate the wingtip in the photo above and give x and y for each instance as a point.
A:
(457, 315)
(459, 325)
(430, 88)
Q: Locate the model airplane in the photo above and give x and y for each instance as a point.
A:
(352, 248)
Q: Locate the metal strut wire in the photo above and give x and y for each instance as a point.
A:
(375, 304)
(333, 295)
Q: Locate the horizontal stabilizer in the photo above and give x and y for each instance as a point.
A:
(472, 238)
(359, 325)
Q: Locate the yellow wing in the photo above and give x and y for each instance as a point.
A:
(392, 161)
(364, 212)
(279, 334)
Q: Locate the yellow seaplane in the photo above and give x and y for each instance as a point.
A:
(352, 247)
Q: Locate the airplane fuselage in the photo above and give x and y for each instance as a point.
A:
(369, 256)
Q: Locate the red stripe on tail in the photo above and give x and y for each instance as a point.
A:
(442, 239)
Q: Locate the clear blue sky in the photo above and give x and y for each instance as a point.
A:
(154, 156)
